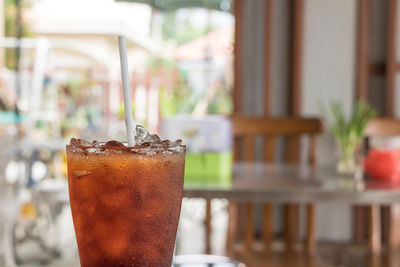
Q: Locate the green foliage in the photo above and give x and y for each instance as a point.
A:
(221, 103)
(177, 99)
(78, 121)
(10, 14)
(78, 85)
(156, 63)
(350, 131)
(180, 30)
(177, 27)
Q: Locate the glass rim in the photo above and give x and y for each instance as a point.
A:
(101, 148)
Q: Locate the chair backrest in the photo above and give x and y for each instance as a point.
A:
(246, 129)
(382, 127)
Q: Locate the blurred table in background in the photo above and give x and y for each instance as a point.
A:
(258, 182)
(283, 183)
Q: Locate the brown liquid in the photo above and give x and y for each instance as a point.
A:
(125, 204)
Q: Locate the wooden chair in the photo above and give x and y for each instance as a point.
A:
(382, 127)
(245, 130)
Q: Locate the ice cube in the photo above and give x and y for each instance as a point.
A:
(84, 143)
(176, 143)
(74, 141)
(96, 146)
(143, 138)
(91, 150)
(166, 143)
(154, 138)
(156, 144)
(146, 144)
(141, 135)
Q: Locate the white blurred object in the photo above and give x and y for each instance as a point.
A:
(14, 171)
(205, 260)
(39, 170)
(209, 133)
(385, 142)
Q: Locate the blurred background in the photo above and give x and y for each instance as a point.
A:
(190, 61)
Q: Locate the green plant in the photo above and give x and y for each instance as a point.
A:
(178, 27)
(348, 132)
(10, 27)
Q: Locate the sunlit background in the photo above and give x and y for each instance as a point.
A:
(194, 65)
(63, 80)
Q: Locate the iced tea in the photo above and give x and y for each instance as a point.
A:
(125, 201)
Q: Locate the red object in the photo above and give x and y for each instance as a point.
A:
(383, 165)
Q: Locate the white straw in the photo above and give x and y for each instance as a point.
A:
(130, 127)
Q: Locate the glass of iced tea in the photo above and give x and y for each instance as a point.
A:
(125, 201)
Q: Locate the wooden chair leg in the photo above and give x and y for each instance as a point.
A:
(392, 258)
(374, 260)
(249, 230)
(233, 226)
(267, 225)
(291, 226)
(310, 238)
(385, 224)
(310, 261)
(208, 227)
(374, 237)
(394, 224)
(358, 224)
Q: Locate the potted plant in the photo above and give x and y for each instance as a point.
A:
(349, 133)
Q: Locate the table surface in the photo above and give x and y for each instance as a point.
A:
(259, 182)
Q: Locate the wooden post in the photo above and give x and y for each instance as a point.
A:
(362, 73)
(374, 229)
(268, 56)
(310, 234)
(238, 58)
(359, 228)
(267, 225)
(249, 230)
(296, 75)
(269, 143)
(362, 49)
(291, 226)
(393, 231)
(293, 143)
(208, 227)
(297, 57)
(233, 224)
(391, 57)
